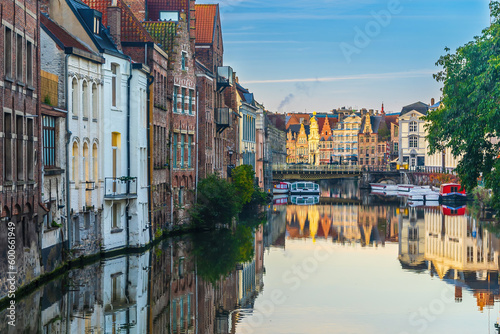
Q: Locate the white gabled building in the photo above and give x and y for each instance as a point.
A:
(107, 106)
(412, 144)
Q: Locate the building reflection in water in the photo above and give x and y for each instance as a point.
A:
(344, 223)
(161, 291)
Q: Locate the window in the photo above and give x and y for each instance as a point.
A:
(75, 162)
(29, 63)
(8, 158)
(86, 169)
(74, 97)
(97, 25)
(190, 140)
(413, 142)
(413, 126)
(8, 52)
(49, 142)
(176, 92)
(191, 93)
(20, 146)
(183, 61)
(85, 97)
(174, 151)
(396, 146)
(114, 85)
(183, 101)
(182, 152)
(115, 213)
(169, 16)
(95, 104)
(19, 58)
(95, 163)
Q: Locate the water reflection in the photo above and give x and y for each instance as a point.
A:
(215, 282)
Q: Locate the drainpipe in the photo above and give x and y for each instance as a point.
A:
(128, 150)
(196, 141)
(148, 92)
(68, 138)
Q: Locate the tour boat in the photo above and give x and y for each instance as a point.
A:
(304, 200)
(281, 188)
(452, 192)
(304, 188)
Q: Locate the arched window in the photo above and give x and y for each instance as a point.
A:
(413, 126)
(95, 163)
(86, 169)
(95, 105)
(75, 163)
(74, 97)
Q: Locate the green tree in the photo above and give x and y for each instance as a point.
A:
(468, 122)
(243, 177)
(217, 203)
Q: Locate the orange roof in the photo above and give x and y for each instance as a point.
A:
(205, 22)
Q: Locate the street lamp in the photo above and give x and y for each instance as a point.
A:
(230, 152)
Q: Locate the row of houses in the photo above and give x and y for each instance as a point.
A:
(366, 138)
(112, 111)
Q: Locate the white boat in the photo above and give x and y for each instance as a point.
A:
(304, 188)
(422, 194)
(304, 200)
(383, 187)
(281, 188)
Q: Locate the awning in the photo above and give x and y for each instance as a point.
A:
(395, 160)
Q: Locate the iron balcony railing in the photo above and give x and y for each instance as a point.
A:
(120, 187)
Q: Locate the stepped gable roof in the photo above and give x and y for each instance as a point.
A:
(131, 29)
(102, 40)
(418, 106)
(374, 121)
(206, 16)
(60, 35)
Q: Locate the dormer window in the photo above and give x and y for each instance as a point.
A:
(97, 25)
(169, 16)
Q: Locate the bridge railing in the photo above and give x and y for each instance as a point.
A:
(313, 168)
(331, 168)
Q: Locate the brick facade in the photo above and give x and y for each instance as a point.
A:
(20, 167)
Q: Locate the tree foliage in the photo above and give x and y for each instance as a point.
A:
(468, 122)
(243, 177)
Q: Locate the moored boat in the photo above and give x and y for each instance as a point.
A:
(281, 188)
(304, 200)
(304, 188)
(383, 187)
(280, 199)
(452, 192)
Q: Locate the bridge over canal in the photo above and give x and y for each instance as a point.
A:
(327, 172)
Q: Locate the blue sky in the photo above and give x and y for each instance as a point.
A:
(308, 55)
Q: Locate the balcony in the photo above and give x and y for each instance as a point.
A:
(222, 118)
(224, 77)
(118, 188)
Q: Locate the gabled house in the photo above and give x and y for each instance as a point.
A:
(412, 146)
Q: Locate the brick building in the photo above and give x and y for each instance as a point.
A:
(20, 170)
(174, 38)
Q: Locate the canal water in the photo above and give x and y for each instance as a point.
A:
(350, 262)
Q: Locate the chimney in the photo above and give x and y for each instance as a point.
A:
(115, 23)
(44, 6)
(432, 101)
(370, 111)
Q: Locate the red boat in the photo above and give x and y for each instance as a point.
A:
(281, 188)
(452, 192)
(453, 211)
